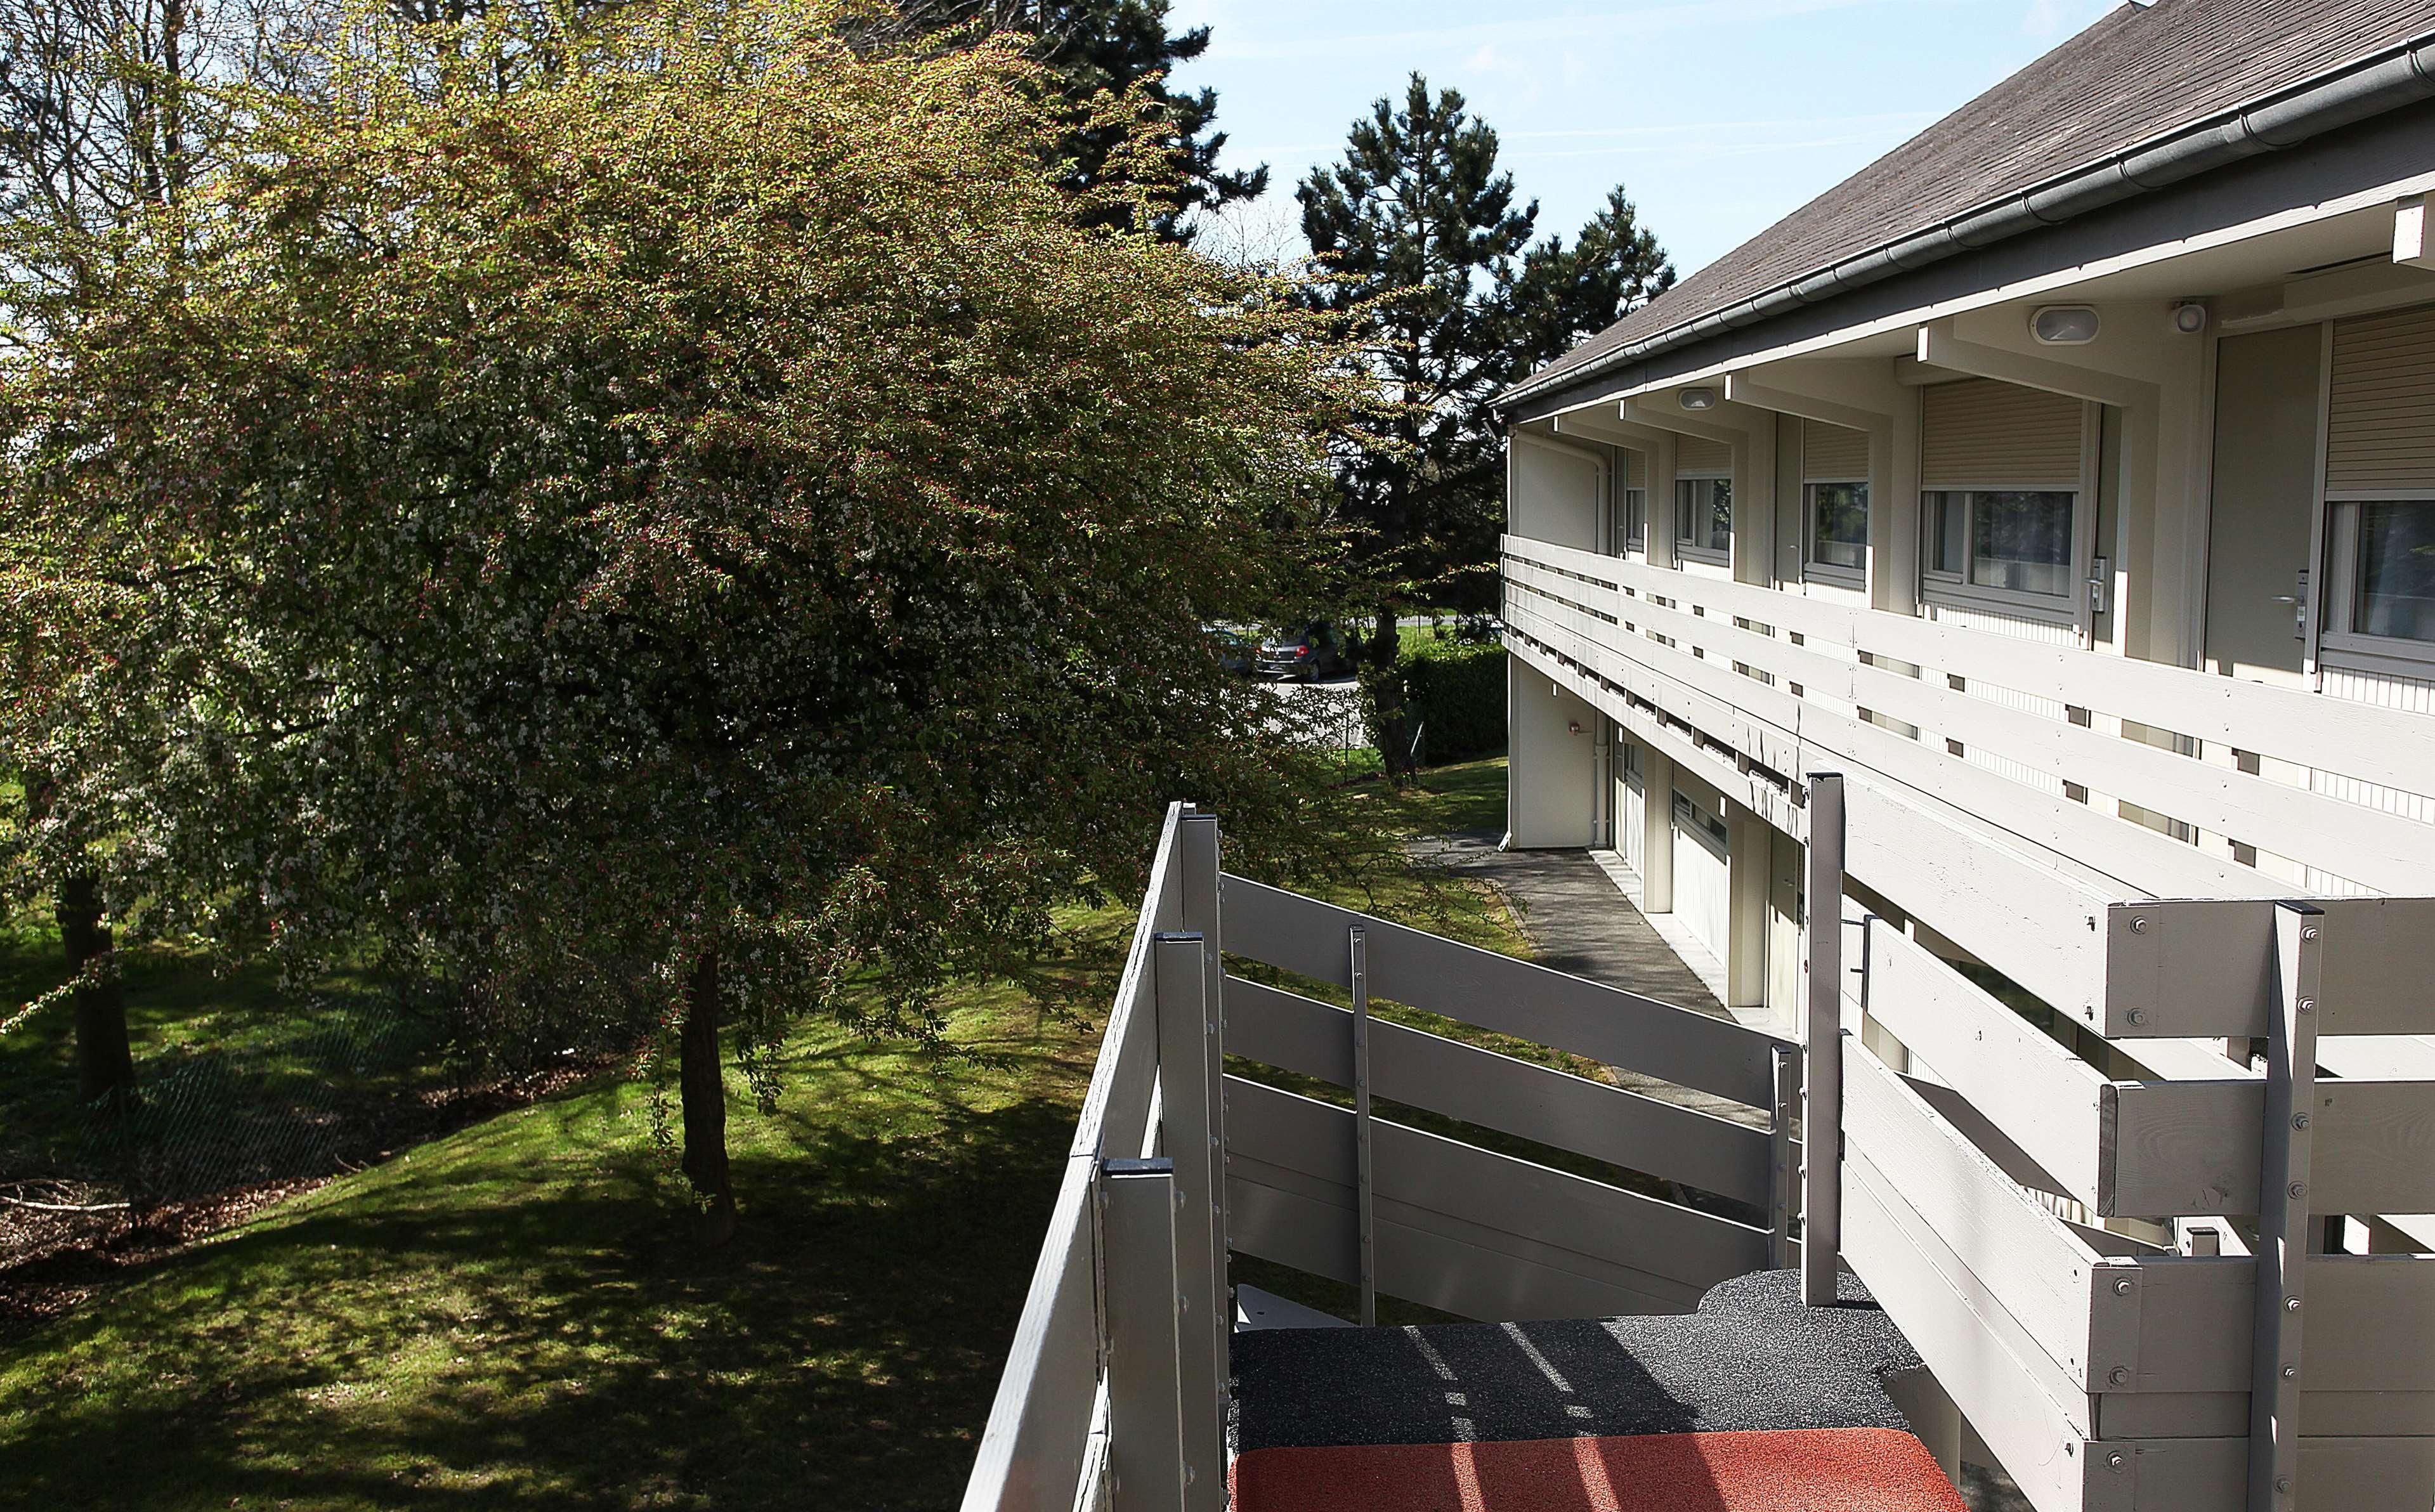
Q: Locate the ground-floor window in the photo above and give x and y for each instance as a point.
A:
(2006, 541)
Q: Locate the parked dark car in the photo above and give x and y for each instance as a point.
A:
(1234, 650)
(1304, 655)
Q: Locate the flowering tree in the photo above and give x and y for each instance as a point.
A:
(719, 521)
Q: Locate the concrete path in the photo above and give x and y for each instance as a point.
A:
(1580, 922)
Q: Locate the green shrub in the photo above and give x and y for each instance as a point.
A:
(1454, 695)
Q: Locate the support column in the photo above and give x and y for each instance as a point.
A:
(1657, 832)
(1893, 520)
(1754, 504)
(1750, 861)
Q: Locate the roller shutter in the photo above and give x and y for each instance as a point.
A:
(1982, 434)
(1698, 456)
(1832, 453)
(1635, 470)
(2380, 424)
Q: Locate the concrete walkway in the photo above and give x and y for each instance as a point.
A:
(1580, 922)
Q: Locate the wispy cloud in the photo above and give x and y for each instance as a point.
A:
(1641, 20)
(1884, 120)
(1685, 140)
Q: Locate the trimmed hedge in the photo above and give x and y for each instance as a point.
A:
(1453, 693)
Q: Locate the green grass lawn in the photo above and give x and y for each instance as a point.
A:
(514, 1316)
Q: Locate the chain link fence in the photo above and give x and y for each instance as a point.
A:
(207, 1120)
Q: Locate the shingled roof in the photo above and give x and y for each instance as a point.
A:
(2138, 75)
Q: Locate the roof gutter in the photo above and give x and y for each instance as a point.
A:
(2384, 81)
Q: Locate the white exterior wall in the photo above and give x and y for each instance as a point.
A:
(1551, 785)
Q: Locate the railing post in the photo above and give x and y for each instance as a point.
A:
(2283, 1213)
(1188, 1065)
(1146, 1458)
(1821, 1122)
(1361, 1168)
(1198, 855)
(1784, 1171)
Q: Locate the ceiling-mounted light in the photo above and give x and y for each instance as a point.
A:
(1698, 398)
(2065, 325)
(2189, 317)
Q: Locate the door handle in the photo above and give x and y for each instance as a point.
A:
(2298, 599)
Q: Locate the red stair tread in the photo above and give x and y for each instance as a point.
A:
(1810, 1470)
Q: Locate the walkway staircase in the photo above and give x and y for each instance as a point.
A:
(1254, 1096)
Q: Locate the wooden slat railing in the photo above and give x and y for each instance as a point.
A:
(1046, 1448)
(2104, 1374)
(2014, 871)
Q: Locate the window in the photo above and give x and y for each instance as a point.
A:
(2383, 574)
(1701, 824)
(2009, 541)
(1838, 526)
(1704, 518)
(1631, 523)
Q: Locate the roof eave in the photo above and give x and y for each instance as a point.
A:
(2383, 82)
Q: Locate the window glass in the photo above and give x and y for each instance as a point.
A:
(2022, 542)
(2394, 594)
(1839, 524)
(1630, 522)
(1703, 514)
(1945, 520)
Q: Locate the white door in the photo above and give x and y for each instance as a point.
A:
(1702, 899)
(1630, 804)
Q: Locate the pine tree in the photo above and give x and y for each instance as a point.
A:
(1094, 45)
(1565, 295)
(1426, 240)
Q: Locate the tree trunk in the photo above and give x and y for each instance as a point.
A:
(705, 1098)
(105, 1066)
(1387, 693)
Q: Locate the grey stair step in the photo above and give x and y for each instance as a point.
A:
(1752, 1358)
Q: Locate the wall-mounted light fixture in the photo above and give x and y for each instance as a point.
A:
(1573, 727)
(2063, 325)
(2189, 317)
(1698, 398)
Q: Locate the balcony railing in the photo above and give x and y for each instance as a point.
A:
(1752, 687)
(2103, 1373)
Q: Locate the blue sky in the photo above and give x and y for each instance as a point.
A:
(1718, 116)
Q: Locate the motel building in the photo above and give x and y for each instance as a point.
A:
(2065, 480)
(1987, 625)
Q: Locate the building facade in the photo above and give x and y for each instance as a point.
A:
(2066, 479)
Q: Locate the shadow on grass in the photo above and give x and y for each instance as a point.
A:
(558, 1342)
